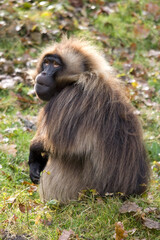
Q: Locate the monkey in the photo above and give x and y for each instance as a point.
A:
(88, 134)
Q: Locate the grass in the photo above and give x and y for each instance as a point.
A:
(92, 217)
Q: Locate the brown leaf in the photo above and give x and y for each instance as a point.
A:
(29, 208)
(141, 31)
(5, 174)
(133, 46)
(13, 219)
(11, 29)
(36, 37)
(129, 207)
(32, 189)
(153, 8)
(66, 235)
(151, 210)
(76, 3)
(48, 220)
(100, 200)
(138, 70)
(151, 224)
(8, 67)
(24, 100)
(120, 233)
(22, 207)
(26, 183)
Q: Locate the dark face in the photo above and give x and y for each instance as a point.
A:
(46, 85)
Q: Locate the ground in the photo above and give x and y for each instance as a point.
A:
(128, 34)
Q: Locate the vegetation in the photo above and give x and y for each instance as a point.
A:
(128, 34)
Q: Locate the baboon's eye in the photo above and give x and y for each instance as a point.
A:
(55, 64)
(46, 62)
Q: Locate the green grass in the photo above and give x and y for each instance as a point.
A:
(13, 47)
(91, 218)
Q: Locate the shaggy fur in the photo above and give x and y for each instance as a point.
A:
(89, 129)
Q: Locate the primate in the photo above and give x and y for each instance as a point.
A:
(88, 134)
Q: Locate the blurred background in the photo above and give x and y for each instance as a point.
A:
(128, 33)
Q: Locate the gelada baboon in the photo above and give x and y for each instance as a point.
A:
(88, 135)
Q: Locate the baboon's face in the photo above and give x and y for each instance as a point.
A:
(45, 82)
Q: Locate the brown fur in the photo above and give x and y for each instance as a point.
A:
(89, 129)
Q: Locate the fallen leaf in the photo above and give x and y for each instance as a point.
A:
(8, 67)
(32, 189)
(100, 200)
(37, 220)
(150, 210)
(76, 3)
(48, 220)
(133, 46)
(153, 8)
(11, 200)
(46, 14)
(26, 183)
(129, 207)
(120, 233)
(28, 124)
(24, 100)
(12, 219)
(22, 207)
(107, 10)
(29, 208)
(109, 194)
(5, 174)
(154, 53)
(53, 204)
(7, 84)
(36, 37)
(132, 231)
(141, 31)
(10, 149)
(151, 224)
(66, 235)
